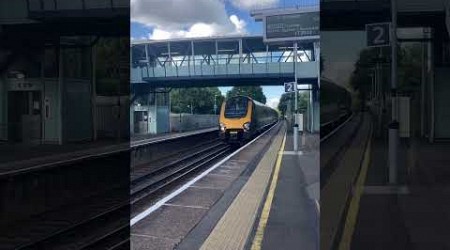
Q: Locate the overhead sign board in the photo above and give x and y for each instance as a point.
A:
(378, 34)
(289, 87)
(292, 26)
(23, 85)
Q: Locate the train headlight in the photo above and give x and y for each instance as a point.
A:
(222, 127)
(247, 126)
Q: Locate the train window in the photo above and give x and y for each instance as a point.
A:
(236, 107)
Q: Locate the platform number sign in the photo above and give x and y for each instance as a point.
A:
(289, 87)
(378, 34)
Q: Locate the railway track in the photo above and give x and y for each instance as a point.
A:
(105, 225)
(329, 128)
(157, 179)
(335, 143)
(103, 221)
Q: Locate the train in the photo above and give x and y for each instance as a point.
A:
(335, 105)
(241, 118)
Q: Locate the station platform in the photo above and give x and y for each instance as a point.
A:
(288, 213)
(294, 215)
(149, 138)
(415, 213)
(15, 156)
(257, 195)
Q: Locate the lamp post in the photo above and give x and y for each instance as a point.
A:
(295, 132)
(394, 125)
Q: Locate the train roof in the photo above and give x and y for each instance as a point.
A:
(253, 100)
(328, 83)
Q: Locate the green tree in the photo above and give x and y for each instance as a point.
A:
(409, 69)
(255, 92)
(289, 99)
(200, 99)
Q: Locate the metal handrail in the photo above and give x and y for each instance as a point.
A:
(193, 70)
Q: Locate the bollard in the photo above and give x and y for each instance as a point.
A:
(393, 152)
(303, 139)
(296, 137)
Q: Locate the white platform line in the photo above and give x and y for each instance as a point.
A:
(176, 205)
(206, 187)
(317, 206)
(291, 153)
(153, 237)
(224, 175)
(161, 202)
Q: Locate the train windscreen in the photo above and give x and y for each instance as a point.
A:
(236, 107)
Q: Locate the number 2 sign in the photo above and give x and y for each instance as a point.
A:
(378, 34)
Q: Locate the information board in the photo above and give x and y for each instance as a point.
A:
(289, 87)
(378, 34)
(293, 26)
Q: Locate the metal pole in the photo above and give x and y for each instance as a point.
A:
(156, 111)
(317, 58)
(296, 97)
(94, 90)
(215, 104)
(148, 114)
(422, 90)
(169, 101)
(431, 88)
(380, 104)
(317, 93)
(311, 107)
(372, 80)
(193, 57)
(295, 77)
(179, 108)
(61, 92)
(394, 126)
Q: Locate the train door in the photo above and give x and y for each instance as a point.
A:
(24, 116)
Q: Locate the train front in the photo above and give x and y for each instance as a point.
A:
(235, 119)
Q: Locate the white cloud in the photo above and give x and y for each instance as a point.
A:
(185, 18)
(273, 102)
(254, 4)
(196, 30)
(177, 14)
(238, 24)
(160, 34)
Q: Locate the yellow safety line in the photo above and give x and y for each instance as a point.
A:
(256, 245)
(353, 210)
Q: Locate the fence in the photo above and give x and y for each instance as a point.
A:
(112, 116)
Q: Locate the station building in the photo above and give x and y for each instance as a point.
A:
(48, 69)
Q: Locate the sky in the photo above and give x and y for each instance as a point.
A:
(165, 19)
(340, 50)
